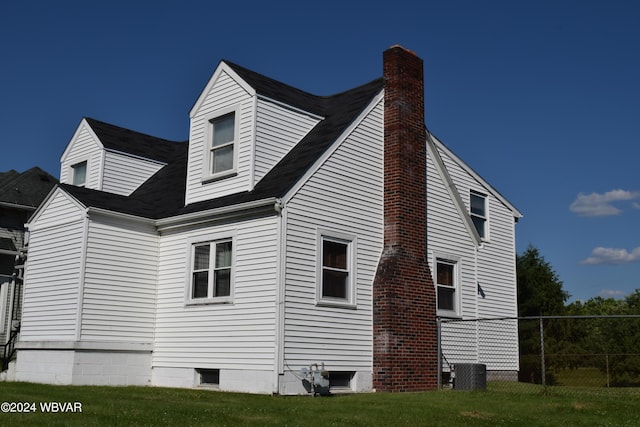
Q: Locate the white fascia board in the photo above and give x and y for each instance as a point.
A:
(452, 190)
(222, 67)
(329, 152)
(516, 213)
(76, 134)
(270, 204)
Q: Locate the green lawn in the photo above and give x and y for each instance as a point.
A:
(121, 406)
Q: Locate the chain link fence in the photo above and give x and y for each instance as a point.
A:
(550, 353)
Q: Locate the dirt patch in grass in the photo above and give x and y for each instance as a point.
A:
(477, 415)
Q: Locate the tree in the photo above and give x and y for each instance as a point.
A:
(540, 290)
(616, 341)
(540, 293)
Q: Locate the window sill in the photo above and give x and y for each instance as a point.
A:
(219, 176)
(448, 315)
(208, 301)
(336, 304)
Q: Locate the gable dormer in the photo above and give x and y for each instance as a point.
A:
(82, 160)
(241, 125)
(109, 158)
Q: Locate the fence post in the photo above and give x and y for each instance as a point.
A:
(542, 367)
(438, 326)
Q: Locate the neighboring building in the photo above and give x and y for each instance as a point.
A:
(289, 230)
(20, 195)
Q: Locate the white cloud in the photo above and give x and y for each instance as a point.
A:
(602, 255)
(612, 293)
(636, 205)
(596, 204)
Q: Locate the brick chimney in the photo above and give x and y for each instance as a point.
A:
(404, 304)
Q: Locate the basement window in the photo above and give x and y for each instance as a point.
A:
(341, 380)
(209, 377)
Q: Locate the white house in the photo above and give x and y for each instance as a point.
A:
(264, 244)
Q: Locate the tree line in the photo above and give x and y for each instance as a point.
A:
(609, 344)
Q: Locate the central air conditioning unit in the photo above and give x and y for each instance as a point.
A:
(470, 376)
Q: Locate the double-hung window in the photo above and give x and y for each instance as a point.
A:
(212, 271)
(336, 270)
(222, 145)
(79, 174)
(478, 203)
(447, 286)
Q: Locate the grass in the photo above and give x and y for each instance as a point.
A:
(499, 405)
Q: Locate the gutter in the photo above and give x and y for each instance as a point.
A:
(17, 206)
(267, 205)
(114, 214)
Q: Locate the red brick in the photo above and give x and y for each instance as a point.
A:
(404, 323)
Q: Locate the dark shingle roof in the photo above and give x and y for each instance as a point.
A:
(280, 91)
(28, 188)
(163, 194)
(132, 142)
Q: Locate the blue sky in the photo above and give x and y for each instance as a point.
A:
(541, 98)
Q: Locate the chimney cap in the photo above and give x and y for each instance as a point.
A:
(397, 46)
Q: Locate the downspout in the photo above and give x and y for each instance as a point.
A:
(281, 252)
(83, 265)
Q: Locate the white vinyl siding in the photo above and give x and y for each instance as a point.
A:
(497, 275)
(278, 129)
(52, 282)
(124, 174)
(490, 266)
(448, 237)
(219, 336)
(120, 281)
(495, 258)
(58, 209)
(225, 94)
(344, 196)
(83, 148)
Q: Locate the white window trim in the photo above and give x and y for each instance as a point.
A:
(455, 260)
(207, 176)
(351, 241)
(71, 169)
(484, 238)
(211, 238)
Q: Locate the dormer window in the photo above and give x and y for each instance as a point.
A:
(222, 145)
(79, 174)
